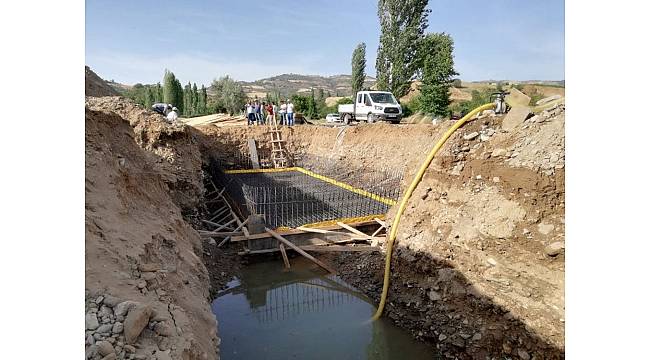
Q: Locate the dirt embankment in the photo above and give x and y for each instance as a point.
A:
(147, 289)
(175, 146)
(479, 262)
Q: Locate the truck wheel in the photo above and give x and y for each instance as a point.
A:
(346, 119)
(371, 118)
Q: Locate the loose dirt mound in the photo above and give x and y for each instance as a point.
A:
(95, 86)
(146, 288)
(175, 146)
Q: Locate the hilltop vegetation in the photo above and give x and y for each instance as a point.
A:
(288, 84)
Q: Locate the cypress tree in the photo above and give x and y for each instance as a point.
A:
(358, 67)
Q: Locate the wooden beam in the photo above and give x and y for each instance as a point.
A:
(241, 224)
(224, 225)
(350, 228)
(317, 248)
(220, 234)
(225, 216)
(299, 250)
(378, 230)
(333, 248)
(219, 212)
(217, 224)
(285, 258)
(381, 222)
(296, 231)
(330, 232)
(224, 241)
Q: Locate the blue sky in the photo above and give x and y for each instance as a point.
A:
(134, 41)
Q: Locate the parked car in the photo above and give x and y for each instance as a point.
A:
(333, 118)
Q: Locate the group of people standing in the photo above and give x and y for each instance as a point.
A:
(270, 113)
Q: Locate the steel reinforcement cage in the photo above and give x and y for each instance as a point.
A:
(296, 196)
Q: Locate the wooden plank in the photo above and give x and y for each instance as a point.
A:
(224, 225)
(241, 224)
(223, 218)
(330, 232)
(296, 231)
(321, 231)
(224, 241)
(381, 222)
(221, 234)
(378, 230)
(339, 248)
(350, 228)
(219, 212)
(299, 250)
(217, 225)
(317, 248)
(252, 150)
(285, 258)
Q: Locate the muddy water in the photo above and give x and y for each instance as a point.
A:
(303, 313)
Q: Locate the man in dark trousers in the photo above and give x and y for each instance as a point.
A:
(161, 108)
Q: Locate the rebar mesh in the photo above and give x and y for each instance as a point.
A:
(292, 198)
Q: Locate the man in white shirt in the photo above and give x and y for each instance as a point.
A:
(249, 113)
(173, 115)
(290, 113)
(283, 113)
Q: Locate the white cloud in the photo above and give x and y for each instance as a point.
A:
(202, 69)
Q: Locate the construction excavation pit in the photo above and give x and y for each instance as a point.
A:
(296, 199)
(324, 242)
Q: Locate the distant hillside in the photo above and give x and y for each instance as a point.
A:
(96, 86)
(337, 85)
(120, 88)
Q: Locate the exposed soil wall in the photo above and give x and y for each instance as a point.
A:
(175, 146)
(147, 289)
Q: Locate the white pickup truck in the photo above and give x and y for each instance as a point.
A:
(372, 106)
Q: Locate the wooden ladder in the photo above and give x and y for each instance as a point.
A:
(278, 153)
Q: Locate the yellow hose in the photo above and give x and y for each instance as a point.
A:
(407, 195)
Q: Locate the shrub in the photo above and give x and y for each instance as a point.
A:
(478, 98)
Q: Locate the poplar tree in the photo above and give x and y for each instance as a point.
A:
(169, 88)
(402, 28)
(159, 93)
(437, 73)
(358, 68)
(173, 91)
(187, 98)
(195, 100)
(204, 100)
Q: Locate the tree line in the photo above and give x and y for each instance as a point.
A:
(406, 53)
(190, 100)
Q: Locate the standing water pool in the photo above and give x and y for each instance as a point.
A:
(302, 313)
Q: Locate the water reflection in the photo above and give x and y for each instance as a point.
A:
(301, 313)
